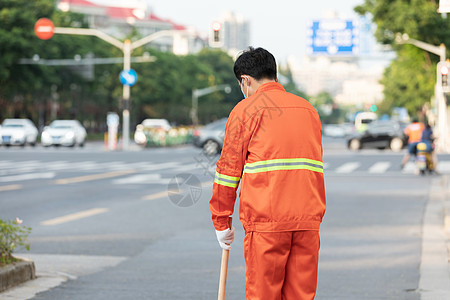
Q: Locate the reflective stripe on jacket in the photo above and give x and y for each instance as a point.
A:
(273, 148)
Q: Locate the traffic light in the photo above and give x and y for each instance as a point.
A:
(444, 75)
(216, 30)
(216, 38)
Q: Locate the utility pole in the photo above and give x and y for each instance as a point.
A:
(439, 93)
(196, 93)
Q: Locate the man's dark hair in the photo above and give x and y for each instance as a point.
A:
(258, 63)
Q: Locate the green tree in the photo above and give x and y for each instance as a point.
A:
(409, 80)
(164, 87)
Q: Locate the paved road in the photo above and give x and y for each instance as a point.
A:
(104, 226)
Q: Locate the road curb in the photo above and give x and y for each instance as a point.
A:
(446, 188)
(16, 273)
(434, 280)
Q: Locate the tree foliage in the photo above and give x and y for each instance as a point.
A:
(409, 80)
(42, 93)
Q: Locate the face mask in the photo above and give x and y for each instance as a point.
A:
(244, 94)
(243, 91)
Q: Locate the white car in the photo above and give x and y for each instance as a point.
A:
(18, 132)
(64, 133)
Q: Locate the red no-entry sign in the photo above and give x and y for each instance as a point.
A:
(44, 28)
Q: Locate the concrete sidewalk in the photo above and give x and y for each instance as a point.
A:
(53, 270)
(434, 280)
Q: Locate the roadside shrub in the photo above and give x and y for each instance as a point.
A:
(12, 236)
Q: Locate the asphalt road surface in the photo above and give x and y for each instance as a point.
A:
(136, 225)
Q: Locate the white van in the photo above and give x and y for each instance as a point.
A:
(364, 118)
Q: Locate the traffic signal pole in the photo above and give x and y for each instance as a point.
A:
(127, 47)
(196, 93)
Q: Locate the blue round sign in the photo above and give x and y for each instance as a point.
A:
(128, 77)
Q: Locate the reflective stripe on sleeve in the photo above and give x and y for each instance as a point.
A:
(226, 180)
(284, 164)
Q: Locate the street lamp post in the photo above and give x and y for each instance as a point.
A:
(441, 105)
(127, 47)
(196, 93)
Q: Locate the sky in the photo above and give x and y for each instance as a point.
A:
(279, 26)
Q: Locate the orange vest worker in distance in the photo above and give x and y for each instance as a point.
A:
(273, 148)
(414, 132)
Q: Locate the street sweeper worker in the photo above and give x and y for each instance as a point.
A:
(273, 149)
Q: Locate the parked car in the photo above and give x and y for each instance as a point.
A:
(380, 135)
(18, 132)
(64, 133)
(211, 136)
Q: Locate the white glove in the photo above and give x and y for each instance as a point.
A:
(225, 238)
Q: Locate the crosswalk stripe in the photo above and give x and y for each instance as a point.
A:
(379, 167)
(85, 166)
(443, 166)
(4, 163)
(348, 167)
(152, 167)
(189, 167)
(58, 165)
(21, 164)
(409, 168)
(29, 176)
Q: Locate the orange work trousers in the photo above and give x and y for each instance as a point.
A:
(281, 265)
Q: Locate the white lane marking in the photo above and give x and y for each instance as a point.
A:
(348, 167)
(74, 216)
(379, 167)
(29, 176)
(140, 179)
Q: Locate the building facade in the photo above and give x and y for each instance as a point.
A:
(343, 60)
(121, 20)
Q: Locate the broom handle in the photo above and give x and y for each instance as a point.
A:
(224, 268)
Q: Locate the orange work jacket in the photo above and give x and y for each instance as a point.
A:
(273, 148)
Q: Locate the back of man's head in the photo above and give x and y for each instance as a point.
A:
(257, 63)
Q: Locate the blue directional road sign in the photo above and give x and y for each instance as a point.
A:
(128, 77)
(333, 37)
